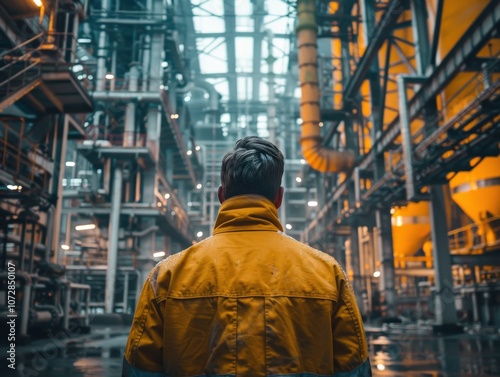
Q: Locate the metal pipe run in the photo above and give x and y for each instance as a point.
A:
(318, 156)
(113, 229)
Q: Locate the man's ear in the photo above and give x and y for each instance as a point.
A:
(279, 198)
(220, 194)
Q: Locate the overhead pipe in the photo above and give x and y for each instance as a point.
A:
(320, 158)
(145, 232)
(271, 107)
(102, 50)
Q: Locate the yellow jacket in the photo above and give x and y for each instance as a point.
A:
(248, 301)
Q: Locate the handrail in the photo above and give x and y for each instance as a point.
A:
(475, 236)
(24, 70)
(21, 45)
(15, 158)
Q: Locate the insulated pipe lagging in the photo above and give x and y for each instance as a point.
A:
(318, 156)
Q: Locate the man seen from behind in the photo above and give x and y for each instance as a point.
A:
(248, 301)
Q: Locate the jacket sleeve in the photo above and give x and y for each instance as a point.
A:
(144, 350)
(350, 350)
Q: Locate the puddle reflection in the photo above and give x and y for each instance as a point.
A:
(391, 355)
(453, 356)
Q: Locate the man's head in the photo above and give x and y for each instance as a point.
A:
(254, 167)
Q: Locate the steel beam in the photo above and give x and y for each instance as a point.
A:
(258, 9)
(474, 39)
(471, 42)
(437, 33)
(380, 35)
(230, 23)
(421, 34)
(406, 140)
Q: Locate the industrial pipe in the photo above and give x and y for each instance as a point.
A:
(145, 232)
(113, 229)
(318, 156)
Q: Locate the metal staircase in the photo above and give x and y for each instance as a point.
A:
(20, 72)
(37, 74)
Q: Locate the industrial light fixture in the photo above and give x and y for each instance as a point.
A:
(197, 148)
(110, 76)
(199, 186)
(38, 3)
(83, 39)
(321, 124)
(288, 226)
(164, 64)
(159, 254)
(85, 227)
(312, 203)
(393, 211)
(376, 274)
(187, 98)
(298, 179)
(302, 161)
(167, 196)
(70, 164)
(189, 152)
(174, 116)
(14, 187)
(398, 221)
(65, 247)
(380, 366)
(199, 234)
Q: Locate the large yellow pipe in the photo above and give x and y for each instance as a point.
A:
(318, 156)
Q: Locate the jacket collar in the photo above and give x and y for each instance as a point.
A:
(247, 212)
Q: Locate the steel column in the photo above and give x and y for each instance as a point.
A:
(420, 34)
(386, 256)
(57, 188)
(445, 300)
(437, 33)
(406, 141)
(113, 231)
(102, 50)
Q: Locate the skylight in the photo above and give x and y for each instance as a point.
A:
(244, 54)
(227, 34)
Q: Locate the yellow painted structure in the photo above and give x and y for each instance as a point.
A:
(410, 229)
(478, 194)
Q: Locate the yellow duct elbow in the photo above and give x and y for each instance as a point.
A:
(324, 159)
(318, 156)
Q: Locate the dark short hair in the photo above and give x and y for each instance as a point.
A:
(254, 167)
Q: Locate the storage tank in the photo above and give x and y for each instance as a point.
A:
(478, 194)
(410, 229)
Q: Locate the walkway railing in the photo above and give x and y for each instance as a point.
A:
(475, 237)
(19, 156)
(19, 67)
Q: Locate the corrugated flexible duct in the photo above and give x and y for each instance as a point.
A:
(318, 156)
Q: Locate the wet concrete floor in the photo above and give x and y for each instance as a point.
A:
(100, 353)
